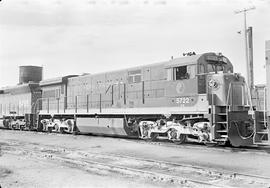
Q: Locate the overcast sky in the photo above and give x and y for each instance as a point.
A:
(90, 36)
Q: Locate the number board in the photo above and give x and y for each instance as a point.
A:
(185, 100)
(211, 58)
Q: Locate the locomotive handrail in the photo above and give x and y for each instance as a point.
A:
(228, 96)
(91, 100)
(249, 97)
(207, 73)
(264, 107)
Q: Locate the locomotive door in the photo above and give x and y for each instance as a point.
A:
(201, 84)
(119, 95)
(147, 74)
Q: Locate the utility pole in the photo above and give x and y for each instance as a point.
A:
(249, 76)
(250, 57)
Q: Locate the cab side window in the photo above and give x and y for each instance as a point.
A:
(180, 73)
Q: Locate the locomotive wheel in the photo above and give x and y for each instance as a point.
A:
(173, 136)
(181, 140)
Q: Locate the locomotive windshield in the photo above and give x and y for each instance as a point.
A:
(215, 67)
(216, 63)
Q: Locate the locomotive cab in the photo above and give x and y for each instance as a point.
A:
(222, 85)
(206, 84)
(200, 75)
(193, 72)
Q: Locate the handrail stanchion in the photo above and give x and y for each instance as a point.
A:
(87, 103)
(100, 102)
(264, 107)
(112, 95)
(48, 105)
(58, 104)
(76, 104)
(65, 104)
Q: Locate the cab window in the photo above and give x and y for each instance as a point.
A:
(180, 73)
(210, 68)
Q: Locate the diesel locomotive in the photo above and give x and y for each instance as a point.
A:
(196, 97)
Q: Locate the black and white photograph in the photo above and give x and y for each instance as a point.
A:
(134, 93)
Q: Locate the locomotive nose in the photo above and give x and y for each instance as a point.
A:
(227, 88)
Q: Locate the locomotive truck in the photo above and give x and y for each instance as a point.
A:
(196, 97)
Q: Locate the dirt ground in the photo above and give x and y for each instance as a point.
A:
(32, 159)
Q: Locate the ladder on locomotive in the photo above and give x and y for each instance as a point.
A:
(261, 128)
(220, 119)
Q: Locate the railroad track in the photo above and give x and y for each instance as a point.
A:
(139, 168)
(253, 149)
(97, 166)
(228, 174)
(257, 149)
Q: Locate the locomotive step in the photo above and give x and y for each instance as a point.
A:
(220, 139)
(222, 114)
(222, 131)
(262, 143)
(262, 132)
(222, 122)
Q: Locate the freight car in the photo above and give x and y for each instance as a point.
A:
(196, 97)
